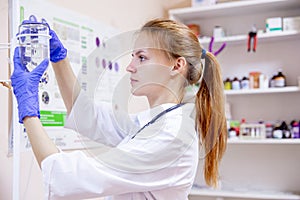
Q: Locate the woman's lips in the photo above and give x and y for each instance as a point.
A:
(132, 81)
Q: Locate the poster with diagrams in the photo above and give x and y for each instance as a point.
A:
(83, 37)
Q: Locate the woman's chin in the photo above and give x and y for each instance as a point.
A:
(137, 92)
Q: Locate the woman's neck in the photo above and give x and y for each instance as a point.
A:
(162, 98)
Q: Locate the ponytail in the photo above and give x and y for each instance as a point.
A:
(210, 118)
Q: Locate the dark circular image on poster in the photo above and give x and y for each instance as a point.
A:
(103, 63)
(45, 79)
(97, 42)
(116, 67)
(45, 97)
(110, 65)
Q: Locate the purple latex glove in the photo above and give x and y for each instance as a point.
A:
(57, 50)
(25, 85)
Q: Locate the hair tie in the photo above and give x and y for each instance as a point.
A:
(203, 54)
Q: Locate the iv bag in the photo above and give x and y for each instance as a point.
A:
(33, 42)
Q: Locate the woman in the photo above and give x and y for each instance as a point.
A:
(155, 154)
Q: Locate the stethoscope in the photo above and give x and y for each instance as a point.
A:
(157, 117)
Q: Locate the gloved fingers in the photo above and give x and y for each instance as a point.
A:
(46, 23)
(26, 21)
(18, 63)
(30, 20)
(41, 68)
(53, 35)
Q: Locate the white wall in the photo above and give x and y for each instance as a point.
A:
(6, 163)
(124, 15)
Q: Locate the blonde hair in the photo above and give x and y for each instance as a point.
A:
(179, 41)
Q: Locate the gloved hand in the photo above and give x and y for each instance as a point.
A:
(57, 50)
(25, 86)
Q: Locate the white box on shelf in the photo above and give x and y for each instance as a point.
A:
(291, 23)
(274, 24)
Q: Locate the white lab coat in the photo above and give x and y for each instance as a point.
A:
(159, 163)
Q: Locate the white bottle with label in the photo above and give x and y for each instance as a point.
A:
(279, 80)
(236, 84)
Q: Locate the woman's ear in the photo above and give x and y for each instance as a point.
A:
(179, 65)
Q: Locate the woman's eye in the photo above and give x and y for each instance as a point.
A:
(142, 58)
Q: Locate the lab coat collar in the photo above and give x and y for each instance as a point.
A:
(145, 116)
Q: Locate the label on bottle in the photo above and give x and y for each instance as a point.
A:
(269, 131)
(296, 132)
(279, 82)
(232, 134)
(278, 134)
(287, 134)
(227, 85)
(272, 83)
(245, 84)
(236, 85)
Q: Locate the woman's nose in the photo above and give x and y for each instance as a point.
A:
(131, 67)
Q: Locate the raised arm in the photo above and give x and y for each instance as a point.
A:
(67, 82)
(98, 122)
(25, 85)
(42, 145)
(66, 79)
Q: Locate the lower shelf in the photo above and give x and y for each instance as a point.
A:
(263, 141)
(287, 89)
(244, 194)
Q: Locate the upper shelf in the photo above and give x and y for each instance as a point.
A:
(192, 91)
(232, 8)
(242, 39)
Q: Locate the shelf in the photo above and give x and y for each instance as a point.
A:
(263, 37)
(232, 8)
(236, 18)
(263, 141)
(263, 91)
(244, 194)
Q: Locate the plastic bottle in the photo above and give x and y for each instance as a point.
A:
(254, 79)
(286, 133)
(277, 131)
(263, 81)
(227, 84)
(235, 85)
(269, 129)
(232, 133)
(245, 83)
(295, 130)
(280, 80)
(33, 40)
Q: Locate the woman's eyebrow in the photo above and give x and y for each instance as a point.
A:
(139, 52)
